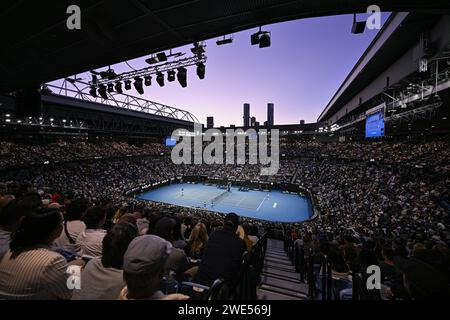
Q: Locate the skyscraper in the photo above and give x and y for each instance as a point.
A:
(209, 122)
(270, 114)
(246, 115)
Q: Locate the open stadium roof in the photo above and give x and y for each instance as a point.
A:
(36, 46)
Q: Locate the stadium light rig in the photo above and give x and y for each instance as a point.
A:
(148, 81)
(160, 79)
(102, 91)
(224, 41)
(358, 26)
(182, 76)
(261, 38)
(171, 75)
(201, 70)
(138, 85)
(175, 70)
(118, 87)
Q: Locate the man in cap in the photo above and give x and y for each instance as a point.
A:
(223, 254)
(143, 269)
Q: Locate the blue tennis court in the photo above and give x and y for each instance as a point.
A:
(273, 206)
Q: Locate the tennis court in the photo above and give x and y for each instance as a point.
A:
(272, 206)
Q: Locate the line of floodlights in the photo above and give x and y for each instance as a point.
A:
(141, 81)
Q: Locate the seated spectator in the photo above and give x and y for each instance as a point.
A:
(30, 270)
(178, 239)
(177, 260)
(197, 242)
(252, 233)
(90, 240)
(243, 235)
(340, 273)
(73, 225)
(223, 254)
(11, 216)
(143, 269)
(422, 282)
(102, 278)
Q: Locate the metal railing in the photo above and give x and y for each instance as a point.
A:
(80, 90)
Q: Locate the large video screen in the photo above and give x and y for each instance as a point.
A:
(170, 142)
(375, 125)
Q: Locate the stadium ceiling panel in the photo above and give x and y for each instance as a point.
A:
(37, 47)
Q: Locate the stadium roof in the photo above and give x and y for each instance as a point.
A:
(36, 46)
(398, 34)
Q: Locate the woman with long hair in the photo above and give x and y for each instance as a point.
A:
(30, 270)
(197, 241)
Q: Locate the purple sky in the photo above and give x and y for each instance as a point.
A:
(306, 63)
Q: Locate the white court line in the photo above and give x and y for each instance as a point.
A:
(257, 209)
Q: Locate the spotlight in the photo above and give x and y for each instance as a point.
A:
(148, 81)
(102, 91)
(110, 87)
(182, 76)
(127, 84)
(160, 79)
(224, 41)
(201, 70)
(261, 37)
(171, 75)
(93, 91)
(358, 26)
(254, 39)
(264, 40)
(138, 85)
(108, 74)
(118, 87)
(198, 49)
(160, 57)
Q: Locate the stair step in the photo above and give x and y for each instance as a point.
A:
(284, 291)
(278, 261)
(276, 276)
(281, 273)
(277, 258)
(271, 295)
(277, 266)
(288, 285)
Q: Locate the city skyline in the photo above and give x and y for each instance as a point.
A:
(287, 74)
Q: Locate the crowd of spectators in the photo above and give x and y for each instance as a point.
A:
(379, 203)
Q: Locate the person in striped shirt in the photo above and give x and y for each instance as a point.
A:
(30, 270)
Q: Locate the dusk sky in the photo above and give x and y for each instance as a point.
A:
(305, 65)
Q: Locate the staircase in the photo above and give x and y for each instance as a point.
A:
(279, 281)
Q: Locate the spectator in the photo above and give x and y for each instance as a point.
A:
(177, 260)
(143, 269)
(223, 254)
(102, 278)
(11, 217)
(30, 270)
(197, 242)
(73, 225)
(90, 240)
